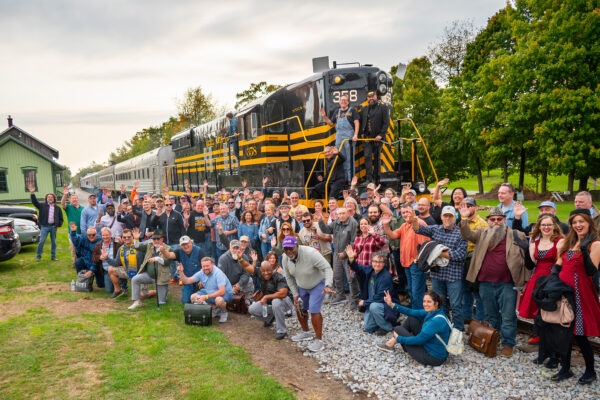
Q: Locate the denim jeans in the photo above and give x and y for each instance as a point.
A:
(468, 298)
(347, 153)
(187, 291)
(454, 292)
(206, 246)
(174, 273)
(44, 231)
(265, 248)
(416, 284)
(374, 318)
(500, 302)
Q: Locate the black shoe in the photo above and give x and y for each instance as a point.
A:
(54, 259)
(538, 361)
(586, 378)
(117, 294)
(562, 375)
(381, 332)
(269, 321)
(551, 363)
(280, 336)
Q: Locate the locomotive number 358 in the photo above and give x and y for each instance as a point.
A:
(352, 94)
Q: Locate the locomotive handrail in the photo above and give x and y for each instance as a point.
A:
(424, 146)
(299, 123)
(310, 175)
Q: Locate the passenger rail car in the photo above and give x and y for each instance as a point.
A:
(280, 136)
(146, 169)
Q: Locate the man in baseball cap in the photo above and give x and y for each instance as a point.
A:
(309, 277)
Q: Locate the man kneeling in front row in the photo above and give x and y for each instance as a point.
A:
(276, 296)
(215, 288)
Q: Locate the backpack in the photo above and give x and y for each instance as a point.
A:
(455, 345)
(83, 283)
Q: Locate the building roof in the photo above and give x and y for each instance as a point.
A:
(7, 132)
(8, 138)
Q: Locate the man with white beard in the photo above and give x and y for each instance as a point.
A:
(498, 264)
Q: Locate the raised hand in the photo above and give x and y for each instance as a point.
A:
(265, 180)
(406, 188)
(100, 213)
(205, 211)
(322, 112)
(180, 268)
(186, 182)
(31, 188)
(519, 209)
(254, 256)
(273, 241)
(443, 182)
(244, 183)
(136, 233)
(350, 251)
(104, 254)
(371, 231)
(122, 188)
(354, 181)
(386, 219)
(65, 189)
(377, 188)
(205, 182)
(388, 298)
(585, 242)
(186, 214)
(464, 211)
(220, 227)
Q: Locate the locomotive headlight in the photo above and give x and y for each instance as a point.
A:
(420, 187)
(338, 80)
(381, 78)
(382, 89)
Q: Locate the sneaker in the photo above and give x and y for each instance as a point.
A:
(216, 312)
(223, 317)
(315, 346)
(352, 306)
(381, 332)
(54, 259)
(587, 378)
(302, 336)
(383, 346)
(117, 294)
(280, 336)
(172, 281)
(135, 305)
(338, 300)
(533, 340)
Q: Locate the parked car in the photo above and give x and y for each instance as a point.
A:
(29, 231)
(29, 213)
(10, 244)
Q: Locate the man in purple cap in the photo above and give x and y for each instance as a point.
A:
(309, 277)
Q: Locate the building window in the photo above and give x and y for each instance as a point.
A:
(3, 181)
(58, 179)
(30, 175)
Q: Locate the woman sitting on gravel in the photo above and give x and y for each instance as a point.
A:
(424, 333)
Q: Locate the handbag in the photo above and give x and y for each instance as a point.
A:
(455, 345)
(83, 283)
(563, 314)
(483, 337)
(258, 295)
(197, 314)
(238, 304)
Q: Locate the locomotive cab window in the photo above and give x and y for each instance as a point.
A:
(274, 113)
(252, 126)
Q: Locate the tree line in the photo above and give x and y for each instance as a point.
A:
(522, 94)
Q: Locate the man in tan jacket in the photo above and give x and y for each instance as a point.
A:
(498, 264)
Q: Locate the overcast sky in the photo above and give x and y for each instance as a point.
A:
(84, 76)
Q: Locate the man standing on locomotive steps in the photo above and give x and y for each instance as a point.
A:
(232, 135)
(348, 124)
(375, 123)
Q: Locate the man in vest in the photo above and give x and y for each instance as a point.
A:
(347, 123)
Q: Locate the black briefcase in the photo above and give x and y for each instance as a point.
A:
(197, 314)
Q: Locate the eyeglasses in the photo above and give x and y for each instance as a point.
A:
(285, 229)
(377, 262)
(499, 219)
(91, 234)
(168, 205)
(156, 238)
(306, 220)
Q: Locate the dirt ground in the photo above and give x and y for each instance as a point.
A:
(280, 359)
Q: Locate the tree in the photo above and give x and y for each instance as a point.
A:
(196, 107)
(255, 91)
(448, 54)
(93, 167)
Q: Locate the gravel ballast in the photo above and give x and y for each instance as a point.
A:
(350, 354)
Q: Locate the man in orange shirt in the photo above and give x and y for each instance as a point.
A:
(409, 240)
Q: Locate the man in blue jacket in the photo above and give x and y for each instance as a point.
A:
(84, 246)
(375, 280)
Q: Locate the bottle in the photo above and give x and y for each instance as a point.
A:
(72, 285)
(265, 311)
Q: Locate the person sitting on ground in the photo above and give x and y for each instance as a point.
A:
(309, 277)
(275, 296)
(424, 334)
(215, 288)
(229, 263)
(154, 269)
(376, 281)
(104, 250)
(84, 247)
(189, 256)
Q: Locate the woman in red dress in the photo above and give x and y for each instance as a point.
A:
(578, 259)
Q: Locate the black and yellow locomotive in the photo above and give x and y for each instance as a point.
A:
(282, 136)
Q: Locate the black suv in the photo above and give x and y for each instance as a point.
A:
(9, 240)
(19, 212)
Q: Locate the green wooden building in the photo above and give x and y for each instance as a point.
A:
(26, 160)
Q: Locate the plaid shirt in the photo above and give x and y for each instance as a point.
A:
(367, 246)
(230, 223)
(458, 250)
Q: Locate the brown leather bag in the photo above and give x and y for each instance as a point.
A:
(257, 296)
(238, 304)
(483, 337)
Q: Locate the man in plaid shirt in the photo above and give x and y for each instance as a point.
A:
(448, 282)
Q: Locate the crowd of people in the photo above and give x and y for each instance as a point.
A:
(373, 255)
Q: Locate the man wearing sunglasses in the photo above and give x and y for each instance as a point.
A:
(498, 265)
(84, 247)
(311, 235)
(171, 223)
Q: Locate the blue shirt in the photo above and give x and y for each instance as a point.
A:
(248, 230)
(230, 223)
(509, 213)
(232, 129)
(458, 250)
(89, 215)
(212, 281)
(431, 327)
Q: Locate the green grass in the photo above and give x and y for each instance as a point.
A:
(555, 183)
(134, 355)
